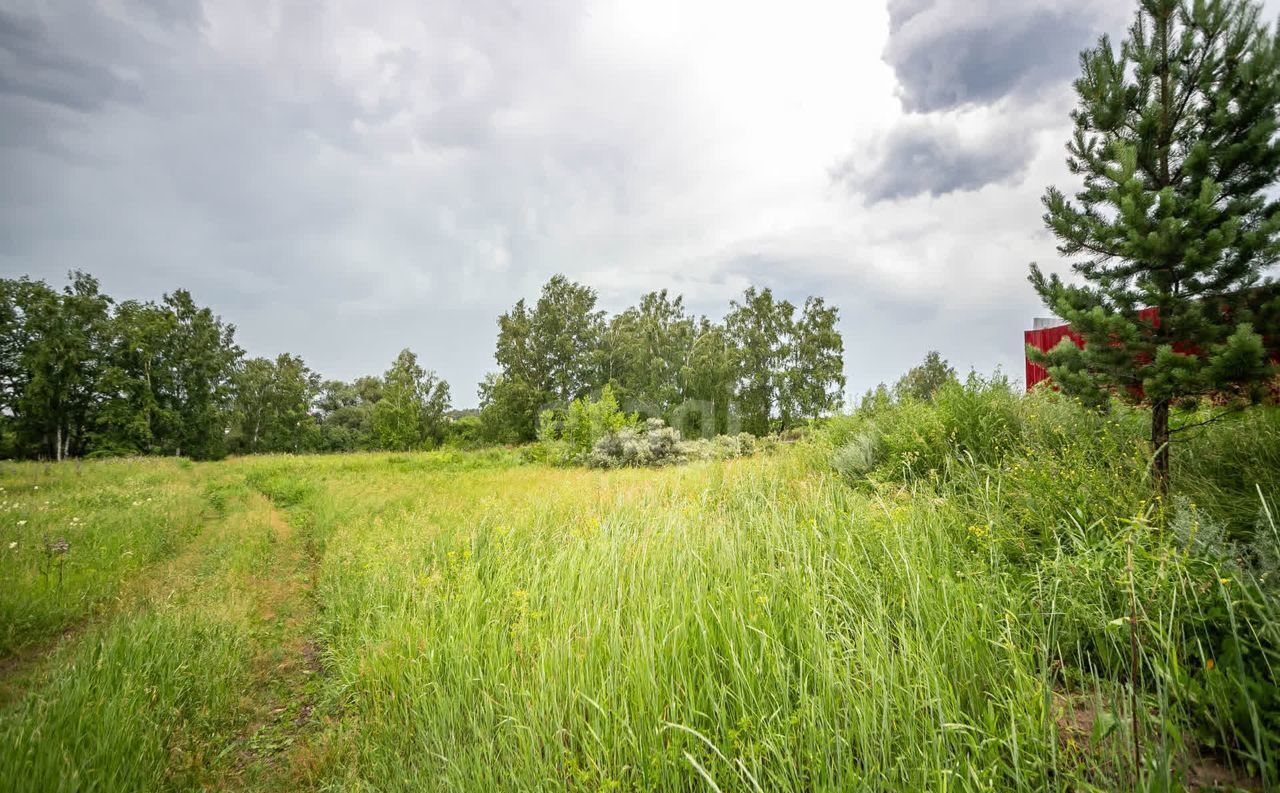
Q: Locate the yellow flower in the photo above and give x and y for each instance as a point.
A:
(1208, 665)
(1224, 581)
(762, 600)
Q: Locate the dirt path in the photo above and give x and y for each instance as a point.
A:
(248, 566)
(274, 750)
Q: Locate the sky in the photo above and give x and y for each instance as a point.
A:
(343, 179)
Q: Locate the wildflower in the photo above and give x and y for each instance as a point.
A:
(762, 600)
(1208, 665)
(1224, 581)
(13, 545)
(22, 523)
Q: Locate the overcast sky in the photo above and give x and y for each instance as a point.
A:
(344, 179)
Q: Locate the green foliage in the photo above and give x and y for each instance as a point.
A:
(757, 622)
(652, 444)
(568, 436)
(758, 328)
(922, 382)
(548, 357)
(271, 411)
(464, 432)
(763, 365)
(79, 375)
(1176, 142)
(60, 346)
(344, 415)
(411, 412)
(201, 363)
(645, 351)
(910, 438)
(1057, 495)
(815, 375)
(708, 378)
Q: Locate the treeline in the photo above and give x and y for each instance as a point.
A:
(82, 374)
(768, 366)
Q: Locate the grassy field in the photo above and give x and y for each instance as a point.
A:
(927, 597)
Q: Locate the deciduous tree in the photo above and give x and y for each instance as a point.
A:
(923, 381)
(410, 414)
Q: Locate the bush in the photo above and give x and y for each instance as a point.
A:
(566, 437)
(655, 444)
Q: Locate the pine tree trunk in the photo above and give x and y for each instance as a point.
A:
(1160, 445)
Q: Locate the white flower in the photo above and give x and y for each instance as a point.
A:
(22, 523)
(13, 545)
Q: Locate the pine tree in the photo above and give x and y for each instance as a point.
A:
(1176, 143)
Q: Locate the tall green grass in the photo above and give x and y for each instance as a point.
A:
(953, 615)
(921, 596)
(117, 517)
(137, 706)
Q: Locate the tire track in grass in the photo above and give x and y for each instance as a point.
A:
(230, 583)
(274, 750)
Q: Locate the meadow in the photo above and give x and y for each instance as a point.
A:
(922, 596)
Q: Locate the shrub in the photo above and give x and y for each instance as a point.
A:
(655, 444)
(857, 456)
(566, 437)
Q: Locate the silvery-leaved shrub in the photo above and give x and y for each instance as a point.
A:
(857, 457)
(653, 443)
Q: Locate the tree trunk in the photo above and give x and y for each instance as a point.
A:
(57, 443)
(1160, 445)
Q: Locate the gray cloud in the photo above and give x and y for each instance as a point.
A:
(950, 53)
(341, 179)
(920, 157)
(35, 67)
(340, 182)
(975, 75)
